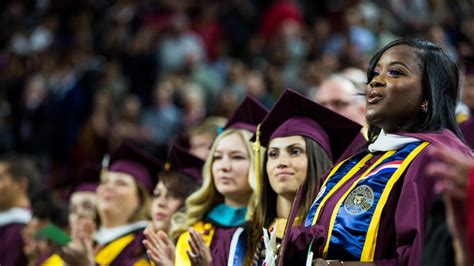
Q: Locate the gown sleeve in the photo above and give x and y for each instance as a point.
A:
(300, 238)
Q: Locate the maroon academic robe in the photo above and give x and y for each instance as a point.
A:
(401, 228)
(216, 225)
(44, 257)
(220, 252)
(467, 128)
(356, 145)
(11, 245)
(217, 246)
(132, 253)
(220, 242)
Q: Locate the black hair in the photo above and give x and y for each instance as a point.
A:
(21, 167)
(46, 206)
(440, 84)
(180, 185)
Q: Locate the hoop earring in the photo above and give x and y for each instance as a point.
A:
(424, 106)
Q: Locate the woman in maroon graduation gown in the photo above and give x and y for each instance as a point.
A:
(373, 207)
(123, 205)
(182, 177)
(302, 139)
(82, 206)
(224, 200)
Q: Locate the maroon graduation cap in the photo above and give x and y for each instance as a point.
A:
(295, 114)
(182, 140)
(141, 165)
(182, 161)
(88, 179)
(248, 115)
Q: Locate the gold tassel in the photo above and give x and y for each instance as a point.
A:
(167, 166)
(257, 163)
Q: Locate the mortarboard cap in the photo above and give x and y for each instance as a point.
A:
(141, 165)
(294, 114)
(88, 179)
(182, 140)
(248, 115)
(182, 161)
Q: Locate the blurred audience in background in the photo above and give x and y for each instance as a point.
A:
(78, 78)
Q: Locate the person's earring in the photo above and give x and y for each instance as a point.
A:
(424, 106)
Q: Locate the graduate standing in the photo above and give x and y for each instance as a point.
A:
(18, 180)
(82, 206)
(373, 207)
(123, 204)
(302, 140)
(228, 184)
(182, 177)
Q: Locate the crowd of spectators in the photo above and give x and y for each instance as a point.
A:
(78, 77)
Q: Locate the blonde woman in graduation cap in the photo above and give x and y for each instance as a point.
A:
(223, 201)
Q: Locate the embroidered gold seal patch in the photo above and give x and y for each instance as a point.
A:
(359, 200)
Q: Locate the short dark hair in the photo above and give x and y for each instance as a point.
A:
(21, 167)
(46, 206)
(179, 184)
(440, 82)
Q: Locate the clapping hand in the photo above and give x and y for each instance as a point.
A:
(80, 251)
(200, 253)
(159, 247)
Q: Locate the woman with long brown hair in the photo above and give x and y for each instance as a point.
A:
(302, 139)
